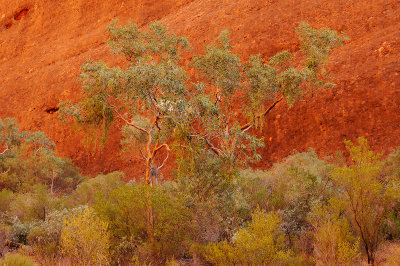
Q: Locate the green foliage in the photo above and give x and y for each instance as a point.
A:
(15, 259)
(261, 243)
(134, 44)
(6, 197)
(392, 226)
(10, 135)
(45, 235)
(99, 186)
(317, 44)
(125, 211)
(367, 199)
(32, 205)
(29, 158)
(294, 186)
(208, 185)
(85, 239)
(152, 85)
(20, 231)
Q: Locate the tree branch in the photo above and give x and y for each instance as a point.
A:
(157, 148)
(209, 144)
(245, 127)
(165, 160)
(128, 122)
(5, 150)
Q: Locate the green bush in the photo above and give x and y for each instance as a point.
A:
(125, 211)
(293, 186)
(101, 185)
(209, 187)
(20, 231)
(32, 205)
(6, 197)
(45, 236)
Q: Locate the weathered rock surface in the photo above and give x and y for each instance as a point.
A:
(43, 43)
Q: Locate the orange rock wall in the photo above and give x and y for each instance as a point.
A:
(43, 43)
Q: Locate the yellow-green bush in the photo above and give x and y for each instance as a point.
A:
(261, 243)
(125, 211)
(334, 242)
(367, 196)
(13, 259)
(85, 239)
(45, 236)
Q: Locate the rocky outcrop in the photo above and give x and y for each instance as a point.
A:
(43, 43)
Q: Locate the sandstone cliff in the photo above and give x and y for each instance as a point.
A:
(43, 43)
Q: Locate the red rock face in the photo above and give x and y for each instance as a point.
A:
(43, 43)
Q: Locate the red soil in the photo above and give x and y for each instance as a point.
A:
(43, 43)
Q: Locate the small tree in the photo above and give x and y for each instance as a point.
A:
(29, 158)
(124, 210)
(368, 199)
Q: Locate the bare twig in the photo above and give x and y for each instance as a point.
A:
(5, 150)
(165, 160)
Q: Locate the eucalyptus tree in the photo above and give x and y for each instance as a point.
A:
(148, 95)
(10, 135)
(29, 157)
(226, 107)
(155, 100)
(236, 96)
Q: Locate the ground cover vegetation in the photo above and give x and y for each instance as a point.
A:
(214, 209)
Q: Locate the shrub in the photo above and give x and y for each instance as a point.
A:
(6, 197)
(210, 190)
(20, 231)
(334, 242)
(45, 236)
(101, 185)
(293, 186)
(32, 205)
(16, 260)
(85, 239)
(368, 197)
(261, 243)
(125, 210)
